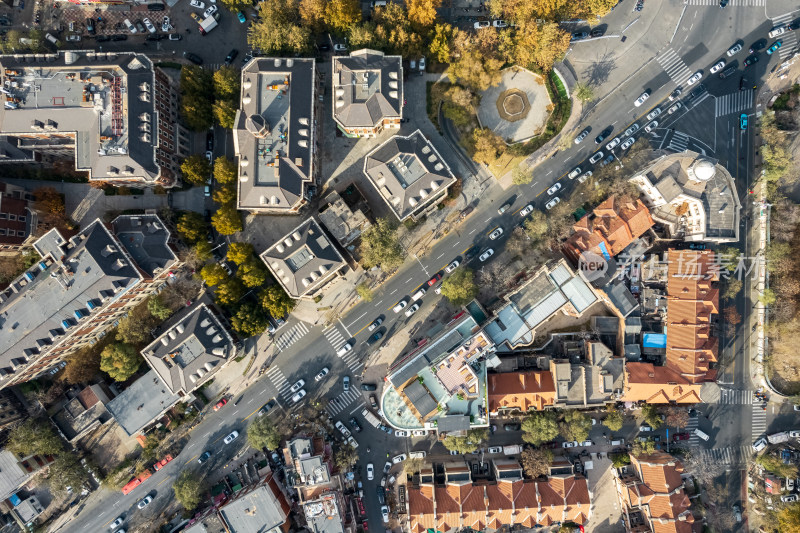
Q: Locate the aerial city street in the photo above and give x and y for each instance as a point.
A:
(415, 266)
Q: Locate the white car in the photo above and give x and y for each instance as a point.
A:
(627, 144)
(210, 11)
(454, 452)
(413, 309)
(344, 349)
(499, 23)
(554, 189)
(778, 30)
(197, 4)
(633, 129)
(734, 49)
(494, 449)
(573, 444)
(297, 386)
(675, 107)
(149, 25)
(130, 26)
(231, 437)
(586, 443)
(644, 428)
(574, 174)
(116, 523)
(370, 471)
(166, 24)
(496, 233)
(588, 174)
(695, 78)
(352, 442)
(401, 433)
(639, 101)
(552, 203)
(322, 374)
(654, 113)
(400, 306)
(596, 157)
(399, 458)
(789, 498)
(526, 210)
(482, 24)
(383, 481)
(795, 434)
(790, 484)
(299, 396)
(452, 266)
(486, 255)
(652, 126)
(343, 430)
(716, 68)
(145, 502)
(384, 509)
(417, 455)
(419, 433)
(613, 144)
(579, 139)
(759, 445)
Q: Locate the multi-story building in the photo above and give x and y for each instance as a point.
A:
(18, 219)
(275, 135)
(367, 92)
(80, 288)
(114, 113)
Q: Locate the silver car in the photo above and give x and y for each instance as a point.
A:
(496, 233)
(554, 189)
(413, 309)
(452, 266)
(552, 203)
(614, 142)
(486, 255)
(596, 157)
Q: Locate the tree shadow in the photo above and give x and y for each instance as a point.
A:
(599, 71)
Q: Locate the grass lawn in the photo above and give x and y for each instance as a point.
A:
(562, 91)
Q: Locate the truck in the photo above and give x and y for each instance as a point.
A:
(512, 450)
(209, 23)
(777, 438)
(369, 417)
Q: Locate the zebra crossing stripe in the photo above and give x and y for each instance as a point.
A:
(782, 19)
(334, 337)
(343, 400)
(293, 335)
(733, 3)
(674, 66)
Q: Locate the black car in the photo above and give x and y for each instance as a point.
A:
(369, 386)
(197, 60)
(375, 337)
(750, 60)
(119, 37)
(723, 4)
(90, 26)
(742, 83)
(381, 495)
(203, 458)
(597, 32)
(639, 5)
(140, 26)
(511, 427)
(155, 7)
(154, 37)
(103, 38)
(578, 36)
(231, 56)
(727, 72)
(603, 135)
(355, 424)
(795, 25)
(210, 140)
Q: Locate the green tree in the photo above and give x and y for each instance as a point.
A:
(66, 471)
(312, 13)
(583, 92)
(224, 170)
(460, 287)
(225, 112)
(150, 448)
(278, 28)
(540, 427)
(381, 247)
(576, 426)
(536, 226)
(227, 220)
(225, 194)
(227, 82)
(652, 416)
(520, 176)
(768, 297)
(789, 517)
(729, 257)
(262, 433)
(733, 287)
(440, 43)
(644, 447)
(157, 308)
(275, 300)
(478, 436)
(202, 249)
(197, 92)
(422, 13)
(240, 252)
(213, 274)
(772, 464)
(613, 421)
(82, 367)
(136, 326)
(253, 273)
(412, 465)
(486, 145)
(459, 444)
(196, 169)
(249, 320)
(536, 461)
(35, 436)
(341, 15)
(618, 460)
(120, 361)
(229, 291)
(188, 488)
(191, 227)
(365, 292)
(345, 457)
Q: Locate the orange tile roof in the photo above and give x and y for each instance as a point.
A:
(473, 507)
(521, 390)
(447, 509)
(499, 504)
(658, 384)
(420, 508)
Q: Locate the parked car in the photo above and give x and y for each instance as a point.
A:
(633, 129)
(384, 509)
(581, 136)
(651, 127)
(375, 323)
(674, 108)
(197, 60)
(434, 279)
(220, 404)
(481, 24)
(552, 190)
(569, 444)
(552, 203)
(597, 156)
(789, 498)
(495, 449)
(373, 401)
(369, 386)
(197, 3)
(586, 443)
(694, 78)
(734, 49)
(401, 433)
(680, 436)
(299, 395)
(203, 458)
(118, 522)
(418, 454)
(511, 427)
(644, 428)
(499, 231)
(149, 25)
(654, 113)
(574, 173)
(400, 305)
(413, 309)
(354, 423)
(526, 210)
(452, 266)
(166, 25)
(298, 385)
(399, 458)
(269, 405)
(486, 255)
(387, 467)
(231, 437)
(717, 66)
(231, 56)
(627, 144)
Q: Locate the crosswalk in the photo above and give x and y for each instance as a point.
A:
(788, 45)
(694, 440)
(674, 66)
(786, 18)
(732, 455)
(733, 103)
(337, 340)
(279, 382)
(758, 422)
(732, 3)
(342, 402)
(290, 336)
(678, 142)
(735, 397)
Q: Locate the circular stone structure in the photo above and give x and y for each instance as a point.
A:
(518, 107)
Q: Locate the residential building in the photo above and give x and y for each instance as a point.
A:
(304, 260)
(11, 409)
(19, 221)
(367, 92)
(645, 382)
(275, 135)
(192, 347)
(591, 382)
(80, 288)
(258, 508)
(83, 412)
(115, 114)
(409, 174)
(692, 196)
(520, 391)
(456, 500)
(25, 511)
(651, 493)
(692, 308)
(609, 229)
(345, 224)
(16, 472)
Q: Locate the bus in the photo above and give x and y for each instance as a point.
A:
(136, 481)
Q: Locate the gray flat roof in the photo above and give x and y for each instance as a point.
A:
(255, 512)
(418, 395)
(145, 237)
(367, 88)
(11, 474)
(275, 132)
(141, 403)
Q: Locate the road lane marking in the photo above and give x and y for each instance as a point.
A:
(162, 481)
(362, 329)
(471, 232)
(193, 458)
(394, 291)
(358, 407)
(488, 219)
(550, 172)
(251, 401)
(491, 230)
(345, 327)
(409, 279)
(359, 318)
(465, 250)
(251, 414)
(439, 256)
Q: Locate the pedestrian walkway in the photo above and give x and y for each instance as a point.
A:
(291, 336)
(788, 45)
(694, 440)
(340, 403)
(732, 455)
(732, 3)
(735, 397)
(786, 18)
(758, 422)
(674, 66)
(279, 382)
(334, 336)
(737, 102)
(351, 360)
(678, 142)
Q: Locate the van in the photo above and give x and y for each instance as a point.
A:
(52, 39)
(727, 72)
(618, 442)
(700, 434)
(131, 27)
(419, 294)
(378, 3)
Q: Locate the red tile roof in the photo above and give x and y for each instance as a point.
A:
(658, 384)
(521, 390)
(420, 508)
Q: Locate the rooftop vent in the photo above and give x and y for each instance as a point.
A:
(164, 341)
(144, 97)
(304, 121)
(393, 75)
(172, 334)
(210, 331)
(412, 202)
(217, 338)
(277, 63)
(296, 235)
(119, 263)
(438, 166)
(287, 242)
(393, 94)
(108, 250)
(205, 323)
(218, 351)
(244, 162)
(280, 248)
(247, 83)
(180, 328)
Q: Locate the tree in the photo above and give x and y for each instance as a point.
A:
(276, 301)
(440, 43)
(486, 145)
(789, 517)
(35, 436)
(236, 5)
(536, 461)
(240, 252)
(341, 15)
(536, 225)
(225, 112)
(66, 471)
(422, 13)
(732, 288)
(677, 417)
(227, 220)
(120, 361)
(278, 28)
(381, 247)
(157, 308)
(520, 176)
(49, 201)
(188, 488)
(478, 436)
(225, 194)
(136, 326)
(412, 465)
(345, 457)
(202, 250)
(576, 426)
(540, 427)
(642, 448)
(191, 227)
(613, 421)
(196, 169)
(224, 170)
(768, 297)
(11, 266)
(460, 287)
(227, 82)
(249, 320)
(252, 273)
(312, 13)
(618, 460)
(82, 367)
(652, 416)
(583, 92)
(229, 291)
(474, 70)
(458, 444)
(262, 433)
(365, 292)
(732, 316)
(197, 92)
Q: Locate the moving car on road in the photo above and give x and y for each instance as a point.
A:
(322, 374)
(743, 121)
(695, 78)
(269, 405)
(644, 96)
(220, 404)
(774, 48)
(297, 386)
(118, 522)
(675, 94)
(370, 471)
(145, 502)
(750, 61)
(718, 66)
(581, 136)
(504, 208)
(203, 458)
(603, 135)
(231, 437)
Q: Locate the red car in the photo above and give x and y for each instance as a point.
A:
(162, 463)
(680, 436)
(220, 404)
(434, 279)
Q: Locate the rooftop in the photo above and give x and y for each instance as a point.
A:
(367, 88)
(304, 260)
(342, 222)
(408, 172)
(146, 238)
(323, 515)
(141, 403)
(256, 510)
(102, 101)
(274, 134)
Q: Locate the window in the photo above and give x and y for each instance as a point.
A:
(2, 231)
(20, 234)
(12, 217)
(21, 218)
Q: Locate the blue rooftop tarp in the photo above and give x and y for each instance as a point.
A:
(654, 340)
